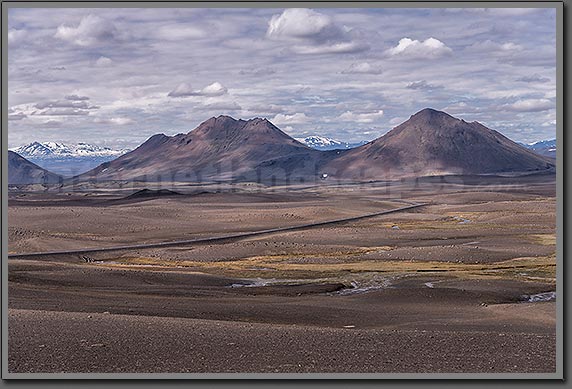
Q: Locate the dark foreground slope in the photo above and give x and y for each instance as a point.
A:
(22, 171)
(431, 143)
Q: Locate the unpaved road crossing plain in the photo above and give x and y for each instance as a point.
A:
(439, 288)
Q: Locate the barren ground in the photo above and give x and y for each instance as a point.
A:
(436, 289)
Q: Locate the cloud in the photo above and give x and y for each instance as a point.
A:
(430, 48)
(257, 72)
(333, 48)
(17, 116)
(91, 31)
(185, 90)
(103, 61)
(314, 33)
(350, 116)
(534, 78)
(15, 36)
(259, 109)
(397, 120)
(220, 106)
(76, 98)
(52, 124)
(63, 112)
(177, 32)
(68, 103)
(182, 90)
(303, 23)
(491, 46)
(296, 118)
(120, 121)
(363, 68)
(422, 85)
(531, 105)
(214, 89)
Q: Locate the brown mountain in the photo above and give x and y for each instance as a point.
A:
(433, 143)
(225, 149)
(22, 171)
(220, 148)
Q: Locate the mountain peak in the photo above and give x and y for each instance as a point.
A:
(430, 113)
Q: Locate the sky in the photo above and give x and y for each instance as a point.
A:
(115, 77)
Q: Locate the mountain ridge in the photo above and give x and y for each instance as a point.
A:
(23, 172)
(222, 148)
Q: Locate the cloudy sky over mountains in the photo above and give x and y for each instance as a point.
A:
(117, 76)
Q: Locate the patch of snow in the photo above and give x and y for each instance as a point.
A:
(540, 297)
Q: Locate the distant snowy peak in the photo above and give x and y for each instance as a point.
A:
(47, 150)
(323, 143)
(543, 144)
(319, 141)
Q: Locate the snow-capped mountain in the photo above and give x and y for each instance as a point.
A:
(322, 143)
(543, 147)
(49, 150)
(543, 144)
(67, 159)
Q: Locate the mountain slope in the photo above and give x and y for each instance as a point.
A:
(431, 143)
(220, 148)
(22, 171)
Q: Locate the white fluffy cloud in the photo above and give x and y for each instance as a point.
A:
(350, 116)
(184, 90)
(296, 118)
(103, 61)
(429, 48)
(214, 89)
(90, 31)
(313, 32)
(303, 23)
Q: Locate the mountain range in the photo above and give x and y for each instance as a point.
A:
(323, 143)
(67, 159)
(543, 147)
(225, 149)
